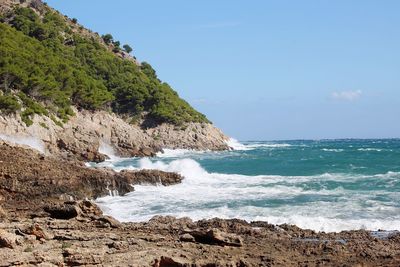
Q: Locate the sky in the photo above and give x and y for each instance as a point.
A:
(267, 70)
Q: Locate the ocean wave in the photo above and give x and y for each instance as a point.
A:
(302, 200)
(236, 145)
(316, 217)
(175, 153)
(332, 149)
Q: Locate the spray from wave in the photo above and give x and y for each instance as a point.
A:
(29, 141)
(108, 150)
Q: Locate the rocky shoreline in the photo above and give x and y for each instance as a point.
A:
(46, 220)
(87, 134)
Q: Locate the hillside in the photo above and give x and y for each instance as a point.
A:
(50, 64)
(71, 92)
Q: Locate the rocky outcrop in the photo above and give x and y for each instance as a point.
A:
(91, 239)
(28, 180)
(90, 135)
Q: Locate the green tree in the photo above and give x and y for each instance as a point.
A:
(127, 48)
(108, 38)
(48, 68)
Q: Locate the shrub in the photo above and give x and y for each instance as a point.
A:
(9, 104)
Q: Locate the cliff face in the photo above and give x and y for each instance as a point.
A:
(89, 134)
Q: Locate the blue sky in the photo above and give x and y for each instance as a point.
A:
(267, 70)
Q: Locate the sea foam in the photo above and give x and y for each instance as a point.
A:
(344, 199)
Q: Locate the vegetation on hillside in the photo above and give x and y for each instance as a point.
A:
(47, 66)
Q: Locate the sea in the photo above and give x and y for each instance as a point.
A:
(323, 185)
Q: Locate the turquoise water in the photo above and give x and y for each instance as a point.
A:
(325, 185)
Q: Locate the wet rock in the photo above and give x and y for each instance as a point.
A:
(147, 152)
(154, 177)
(31, 183)
(93, 156)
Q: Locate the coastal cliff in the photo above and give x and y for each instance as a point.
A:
(90, 135)
(74, 90)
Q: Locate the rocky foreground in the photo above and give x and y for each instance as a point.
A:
(46, 221)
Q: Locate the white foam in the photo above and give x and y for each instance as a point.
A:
(236, 145)
(273, 198)
(370, 149)
(30, 141)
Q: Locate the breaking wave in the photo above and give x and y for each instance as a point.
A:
(324, 202)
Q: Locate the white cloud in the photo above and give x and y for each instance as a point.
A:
(347, 95)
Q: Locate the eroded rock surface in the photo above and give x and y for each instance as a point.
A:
(30, 181)
(87, 240)
(87, 134)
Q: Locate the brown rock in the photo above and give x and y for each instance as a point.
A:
(89, 208)
(217, 237)
(37, 231)
(187, 238)
(147, 152)
(108, 221)
(7, 240)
